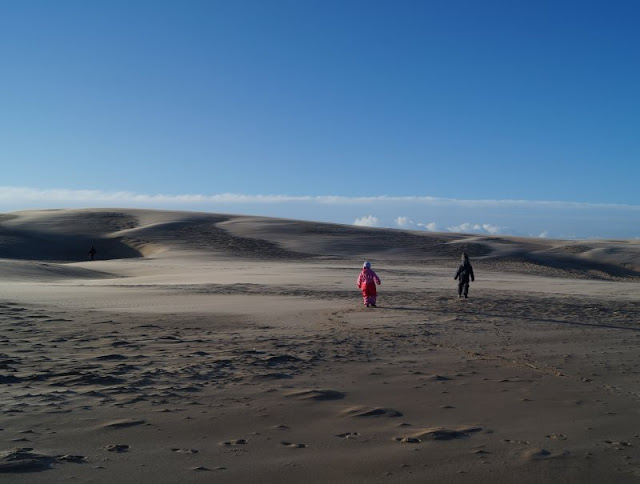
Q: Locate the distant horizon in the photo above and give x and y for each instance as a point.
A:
(520, 218)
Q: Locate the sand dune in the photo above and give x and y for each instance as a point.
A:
(66, 235)
(202, 347)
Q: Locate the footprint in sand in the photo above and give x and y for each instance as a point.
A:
(317, 395)
(619, 444)
(481, 453)
(111, 357)
(230, 443)
(281, 359)
(203, 468)
(438, 433)
(543, 454)
(24, 460)
(556, 436)
(76, 459)
(521, 442)
(123, 423)
(349, 435)
(372, 412)
(294, 446)
(436, 378)
(118, 448)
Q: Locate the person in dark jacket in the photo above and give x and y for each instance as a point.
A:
(465, 272)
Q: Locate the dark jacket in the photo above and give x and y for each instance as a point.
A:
(465, 271)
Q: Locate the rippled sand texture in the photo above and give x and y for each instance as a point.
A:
(214, 348)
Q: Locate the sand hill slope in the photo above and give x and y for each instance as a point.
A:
(66, 235)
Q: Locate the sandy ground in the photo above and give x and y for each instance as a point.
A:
(234, 349)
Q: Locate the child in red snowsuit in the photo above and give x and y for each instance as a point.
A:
(367, 281)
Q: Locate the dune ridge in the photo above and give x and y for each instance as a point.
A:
(66, 235)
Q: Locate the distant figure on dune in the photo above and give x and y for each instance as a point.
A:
(367, 281)
(465, 271)
(92, 253)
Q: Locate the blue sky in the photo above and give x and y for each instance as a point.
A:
(418, 114)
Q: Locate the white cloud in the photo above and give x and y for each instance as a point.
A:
(465, 228)
(469, 228)
(368, 221)
(27, 194)
(431, 227)
(544, 234)
(15, 194)
(492, 229)
(404, 222)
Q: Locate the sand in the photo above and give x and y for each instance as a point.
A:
(216, 348)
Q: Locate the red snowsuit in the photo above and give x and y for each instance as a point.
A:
(367, 281)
